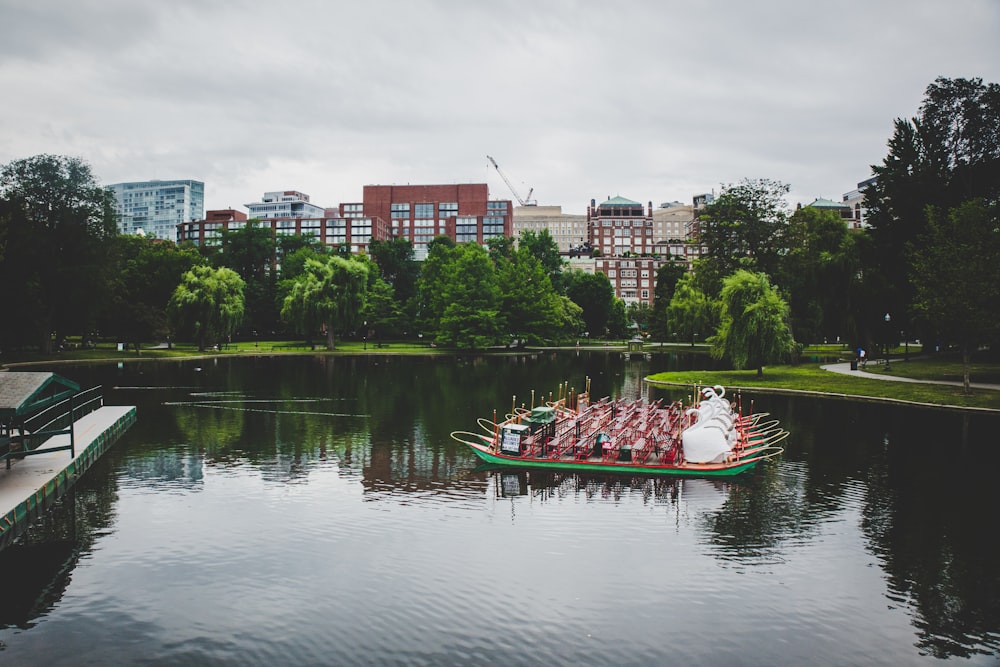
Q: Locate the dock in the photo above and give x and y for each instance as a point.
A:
(37, 475)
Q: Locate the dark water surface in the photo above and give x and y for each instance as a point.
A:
(314, 511)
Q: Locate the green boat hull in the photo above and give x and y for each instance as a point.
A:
(615, 468)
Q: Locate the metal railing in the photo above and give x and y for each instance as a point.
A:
(57, 419)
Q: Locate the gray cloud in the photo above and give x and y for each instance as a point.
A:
(648, 99)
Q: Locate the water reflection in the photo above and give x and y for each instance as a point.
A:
(897, 503)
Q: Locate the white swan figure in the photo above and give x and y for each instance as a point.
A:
(707, 440)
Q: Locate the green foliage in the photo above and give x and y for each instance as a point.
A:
(250, 251)
(593, 293)
(383, 312)
(148, 272)
(544, 248)
(955, 269)
(530, 306)
(210, 302)
(288, 244)
(946, 155)
(691, 312)
(754, 326)
(56, 227)
(820, 272)
(396, 265)
(469, 300)
(667, 277)
(331, 291)
(618, 320)
(745, 227)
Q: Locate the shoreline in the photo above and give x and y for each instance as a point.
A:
(405, 350)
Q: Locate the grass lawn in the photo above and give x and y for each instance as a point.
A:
(810, 377)
(109, 351)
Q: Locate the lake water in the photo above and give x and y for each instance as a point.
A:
(315, 511)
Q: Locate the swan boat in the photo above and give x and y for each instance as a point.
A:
(708, 438)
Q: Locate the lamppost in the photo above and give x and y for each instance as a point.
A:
(888, 335)
(366, 334)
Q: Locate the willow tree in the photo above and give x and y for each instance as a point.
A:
(690, 310)
(210, 301)
(329, 292)
(753, 330)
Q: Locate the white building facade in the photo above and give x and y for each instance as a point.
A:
(284, 204)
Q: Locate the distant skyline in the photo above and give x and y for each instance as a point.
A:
(648, 100)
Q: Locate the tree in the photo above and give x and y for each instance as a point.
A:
(331, 291)
(210, 302)
(250, 251)
(394, 259)
(460, 296)
(148, 271)
(382, 311)
(617, 319)
(948, 154)
(667, 277)
(819, 273)
(744, 227)
(544, 248)
(754, 326)
(57, 224)
(956, 276)
(595, 296)
(530, 306)
(691, 311)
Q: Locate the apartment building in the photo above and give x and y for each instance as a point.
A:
(634, 278)
(330, 230)
(155, 208)
(284, 204)
(464, 212)
(619, 226)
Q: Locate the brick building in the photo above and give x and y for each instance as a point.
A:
(634, 278)
(619, 226)
(329, 226)
(464, 212)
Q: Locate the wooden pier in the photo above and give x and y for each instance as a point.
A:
(36, 475)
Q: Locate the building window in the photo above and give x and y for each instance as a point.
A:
(645, 294)
(448, 209)
(399, 210)
(423, 211)
(466, 230)
(492, 226)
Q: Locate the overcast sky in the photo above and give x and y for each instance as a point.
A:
(653, 100)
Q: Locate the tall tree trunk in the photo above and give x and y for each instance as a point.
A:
(330, 343)
(760, 371)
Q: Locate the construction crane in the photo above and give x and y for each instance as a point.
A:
(527, 201)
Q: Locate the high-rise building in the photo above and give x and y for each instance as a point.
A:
(155, 208)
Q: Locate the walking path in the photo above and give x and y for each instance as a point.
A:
(845, 369)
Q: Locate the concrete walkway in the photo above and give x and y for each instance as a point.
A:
(845, 369)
